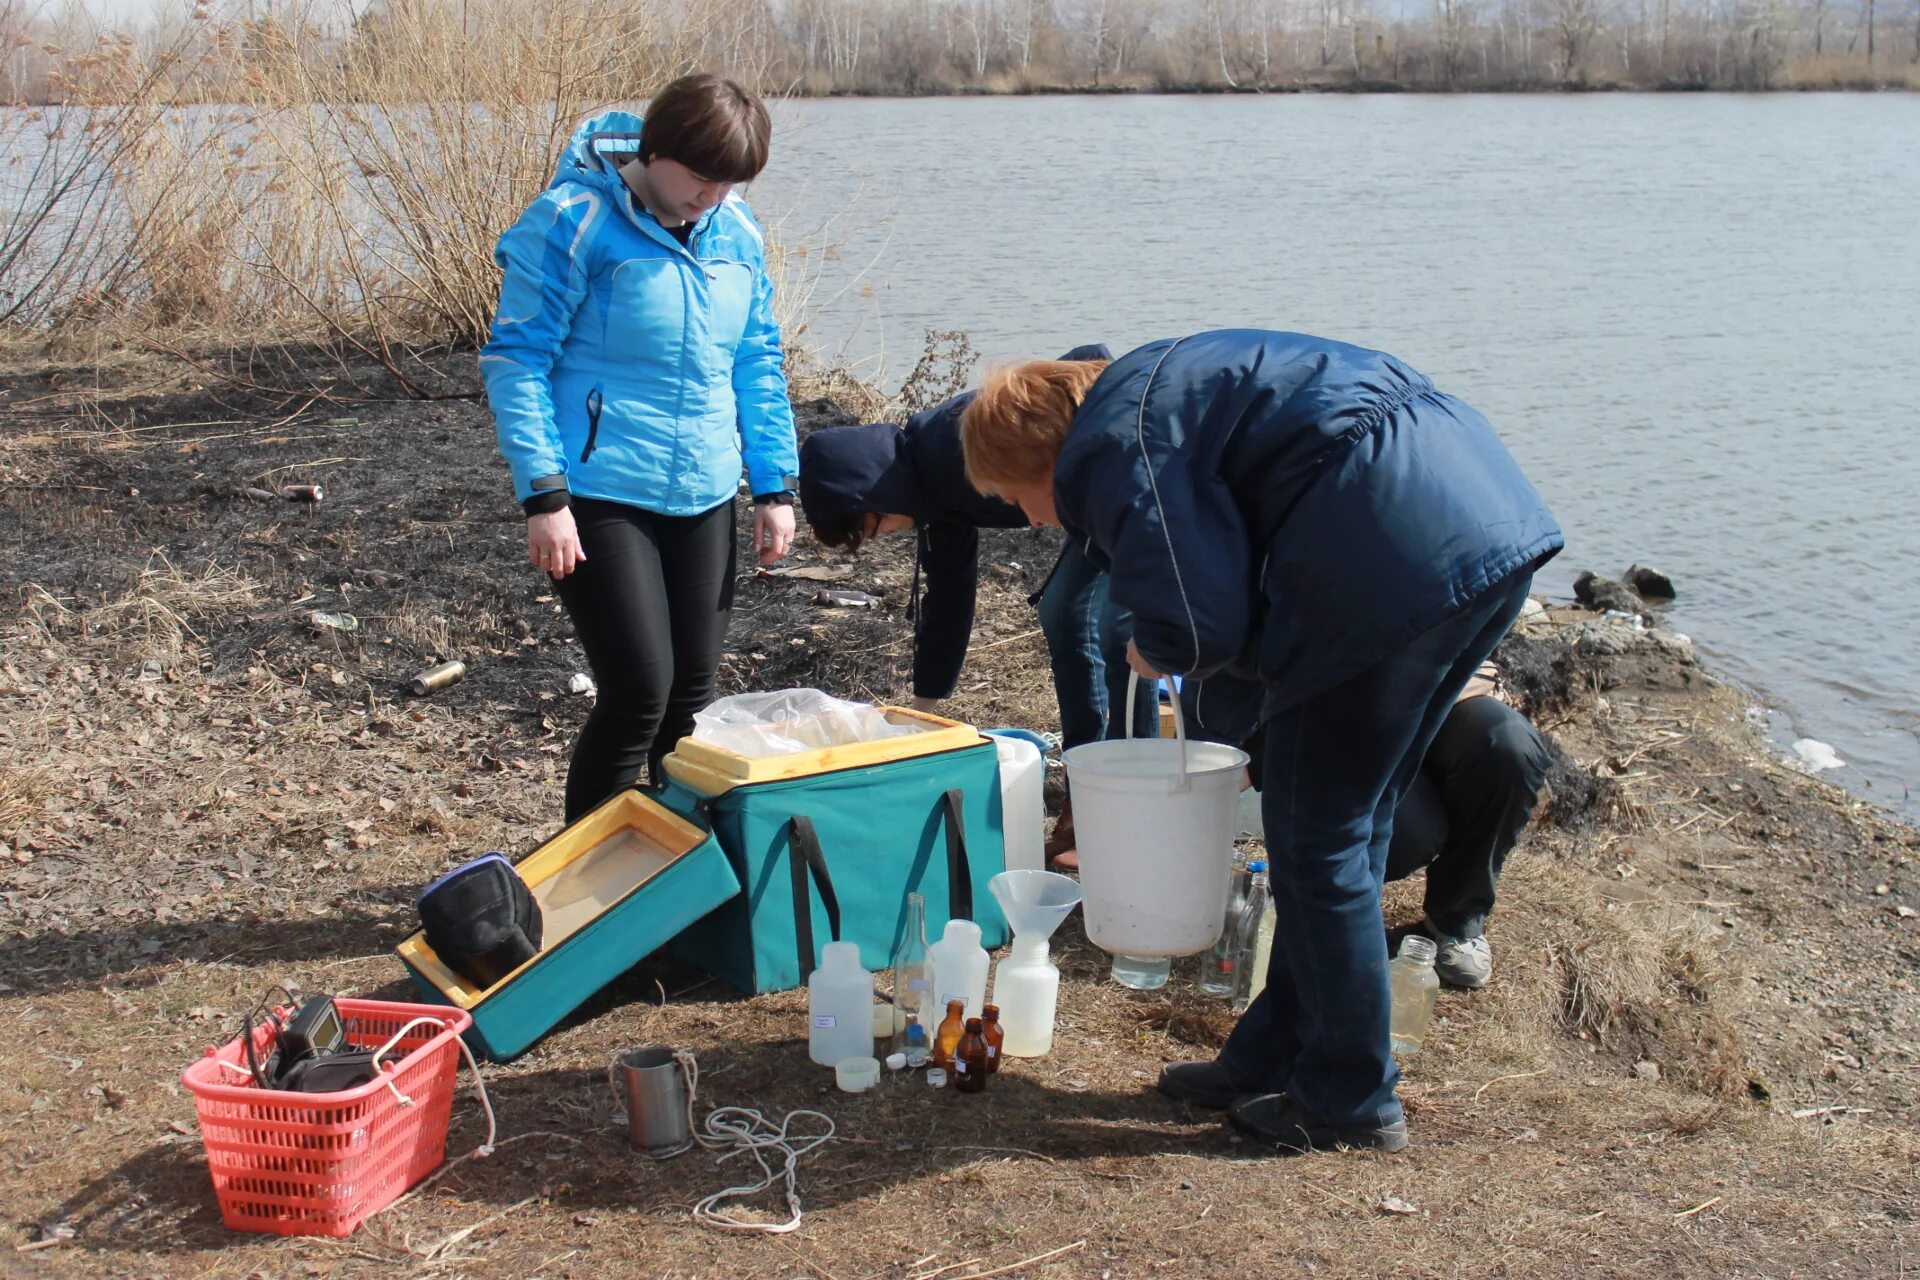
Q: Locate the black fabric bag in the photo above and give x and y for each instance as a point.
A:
(481, 919)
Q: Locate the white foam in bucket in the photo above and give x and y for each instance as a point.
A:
(1154, 821)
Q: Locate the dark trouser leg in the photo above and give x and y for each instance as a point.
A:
(1070, 609)
(1116, 629)
(623, 601)
(699, 553)
(1336, 767)
(1419, 827)
(1487, 764)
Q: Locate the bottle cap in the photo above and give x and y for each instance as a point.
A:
(1258, 864)
(937, 1077)
(896, 1061)
(839, 956)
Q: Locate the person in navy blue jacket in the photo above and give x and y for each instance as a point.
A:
(634, 370)
(861, 482)
(1322, 519)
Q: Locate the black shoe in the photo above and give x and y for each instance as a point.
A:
(1276, 1118)
(1208, 1085)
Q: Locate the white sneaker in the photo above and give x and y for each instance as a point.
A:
(1464, 962)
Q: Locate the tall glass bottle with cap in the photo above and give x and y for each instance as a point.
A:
(912, 975)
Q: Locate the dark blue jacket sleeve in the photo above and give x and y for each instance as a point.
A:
(950, 558)
(1177, 545)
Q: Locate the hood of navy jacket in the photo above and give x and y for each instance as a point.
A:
(914, 469)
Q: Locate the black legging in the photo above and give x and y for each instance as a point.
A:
(650, 606)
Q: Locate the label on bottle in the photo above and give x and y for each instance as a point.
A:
(960, 1065)
(826, 1022)
(992, 1053)
(919, 984)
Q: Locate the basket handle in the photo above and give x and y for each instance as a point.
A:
(1179, 722)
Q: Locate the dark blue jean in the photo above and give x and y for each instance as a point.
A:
(1335, 769)
(1087, 638)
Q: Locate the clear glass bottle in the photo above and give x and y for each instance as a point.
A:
(1413, 986)
(1252, 938)
(1218, 968)
(912, 976)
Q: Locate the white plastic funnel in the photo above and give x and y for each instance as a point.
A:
(1153, 818)
(1035, 902)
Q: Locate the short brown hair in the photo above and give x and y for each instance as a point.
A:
(1012, 432)
(712, 125)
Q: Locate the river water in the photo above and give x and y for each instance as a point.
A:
(1695, 318)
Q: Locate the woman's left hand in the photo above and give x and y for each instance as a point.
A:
(1140, 664)
(772, 530)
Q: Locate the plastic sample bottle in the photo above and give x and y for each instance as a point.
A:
(1413, 985)
(952, 1028)
(960, 967)
(1253, 938)
(970, 1068)
(995, 1035)
(839, 1006)
(912, 975)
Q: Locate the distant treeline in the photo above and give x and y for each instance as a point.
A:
(820, 47)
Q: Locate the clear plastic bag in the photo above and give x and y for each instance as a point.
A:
(789, 720)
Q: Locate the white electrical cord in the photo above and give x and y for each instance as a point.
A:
(741, 1131)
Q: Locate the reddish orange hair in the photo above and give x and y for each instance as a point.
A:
(1012, 432)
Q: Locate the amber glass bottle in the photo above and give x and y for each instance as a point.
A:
(970, 1060)
(952, 1027)
(995, 1035)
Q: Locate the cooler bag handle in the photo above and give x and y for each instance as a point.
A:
(959, 879)
(804, 855)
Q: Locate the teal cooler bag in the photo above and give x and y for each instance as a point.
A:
(833, 855)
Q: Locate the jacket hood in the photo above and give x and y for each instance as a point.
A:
(598, 148)
(847, 471)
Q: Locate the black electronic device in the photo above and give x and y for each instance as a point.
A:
(308, 1051)
(314, 1028)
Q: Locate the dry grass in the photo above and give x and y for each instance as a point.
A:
(153, 621)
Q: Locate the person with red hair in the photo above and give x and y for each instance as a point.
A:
(1320, 519)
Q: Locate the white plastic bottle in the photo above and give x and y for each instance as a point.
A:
(1023, 814)
(959, 966)
(839, 1006)
(1026, 987)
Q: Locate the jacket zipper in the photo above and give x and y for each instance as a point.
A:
(593, 422)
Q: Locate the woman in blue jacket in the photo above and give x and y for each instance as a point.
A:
(634, 367)
(1320, 518)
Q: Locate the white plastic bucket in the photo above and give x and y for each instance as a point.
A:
(1154, 821)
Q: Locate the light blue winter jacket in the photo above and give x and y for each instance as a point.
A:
(624, 366)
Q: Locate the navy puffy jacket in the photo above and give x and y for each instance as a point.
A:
(1288, 507)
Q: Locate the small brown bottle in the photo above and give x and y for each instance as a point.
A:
(970, 1061)
(952, 1027)
(995, 1035)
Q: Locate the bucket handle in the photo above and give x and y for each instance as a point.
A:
(1179, 723)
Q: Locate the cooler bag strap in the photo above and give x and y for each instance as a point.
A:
(804, 855)
(959, 876)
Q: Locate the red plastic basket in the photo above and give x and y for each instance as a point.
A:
(320, 1164)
